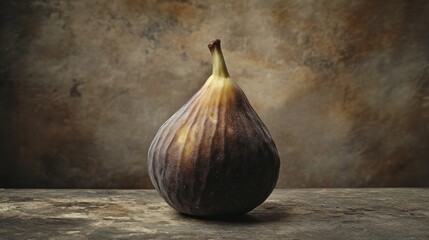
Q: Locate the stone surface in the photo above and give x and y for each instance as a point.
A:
(401, 213)
(342, 85)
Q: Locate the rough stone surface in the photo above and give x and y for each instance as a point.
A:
(342, 85)
(287, 214)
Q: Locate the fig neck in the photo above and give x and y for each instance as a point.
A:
(219, 66)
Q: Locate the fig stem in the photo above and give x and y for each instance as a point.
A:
(219, 66)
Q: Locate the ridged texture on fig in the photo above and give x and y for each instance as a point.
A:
(214, 156)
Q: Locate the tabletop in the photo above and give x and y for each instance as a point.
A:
(378, 213)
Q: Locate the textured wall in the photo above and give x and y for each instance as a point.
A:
(342, 85)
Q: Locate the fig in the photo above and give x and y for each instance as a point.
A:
(214, 156)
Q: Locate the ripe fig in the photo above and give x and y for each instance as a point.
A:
(214, 156)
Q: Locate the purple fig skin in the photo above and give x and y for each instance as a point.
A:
(214, 156)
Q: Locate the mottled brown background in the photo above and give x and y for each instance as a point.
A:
(342, 85)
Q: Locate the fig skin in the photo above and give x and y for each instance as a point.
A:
(214, 156)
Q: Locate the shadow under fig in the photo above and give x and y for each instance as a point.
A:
(266, 212)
